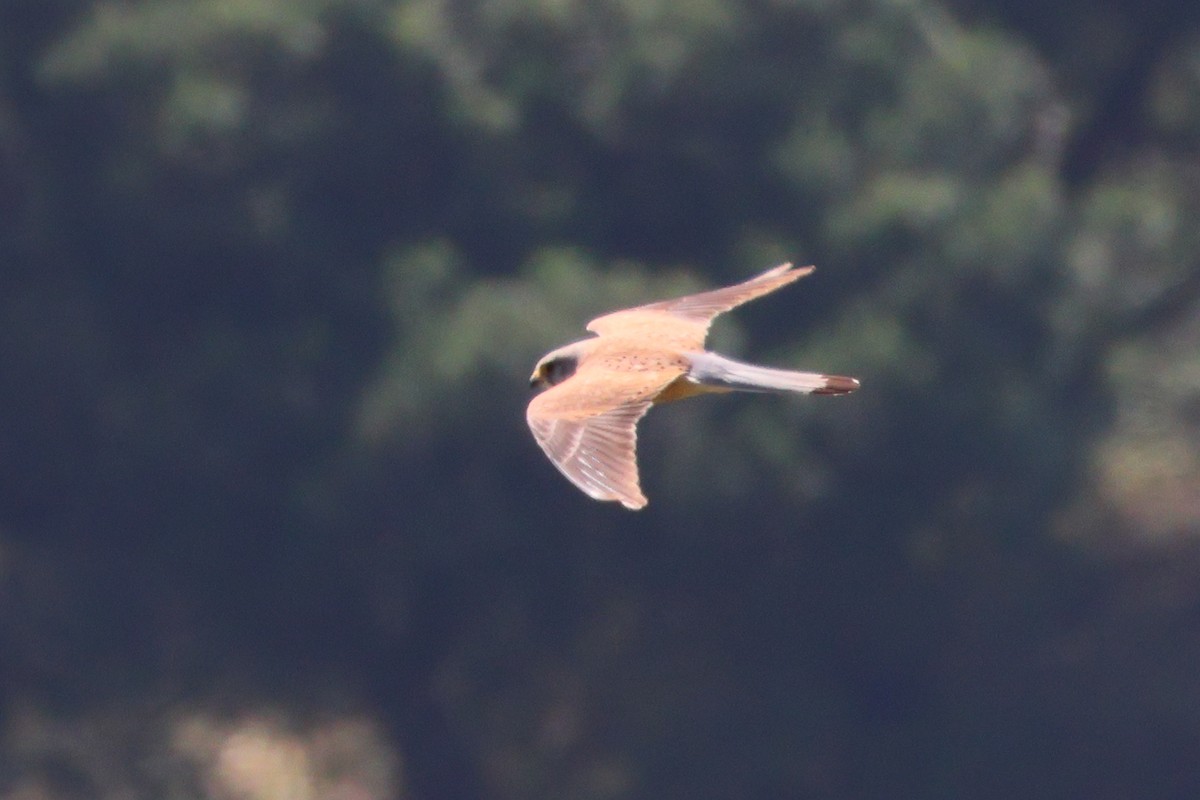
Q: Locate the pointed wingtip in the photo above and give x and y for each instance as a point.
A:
(838, 384)
(635, 503)
(787, 268)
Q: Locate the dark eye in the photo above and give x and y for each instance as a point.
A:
(559, 370)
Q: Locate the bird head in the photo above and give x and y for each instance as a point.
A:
(557, 365)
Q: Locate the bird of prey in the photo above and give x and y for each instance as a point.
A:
(597, 389)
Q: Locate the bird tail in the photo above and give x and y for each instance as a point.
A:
(719, 372)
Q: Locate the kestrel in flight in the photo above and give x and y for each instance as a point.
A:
(597, 389)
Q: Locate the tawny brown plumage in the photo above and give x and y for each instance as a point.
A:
(597, 389)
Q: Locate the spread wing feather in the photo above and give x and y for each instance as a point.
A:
(587, 425)
(597, 453)
(690, 316)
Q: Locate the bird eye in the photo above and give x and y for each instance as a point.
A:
(558, 370)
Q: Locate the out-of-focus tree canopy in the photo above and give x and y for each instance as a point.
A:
(273, 274)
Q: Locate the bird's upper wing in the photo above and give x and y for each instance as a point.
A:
(587, 425)
(684, 321)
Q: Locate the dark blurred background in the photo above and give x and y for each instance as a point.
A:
(273, 274)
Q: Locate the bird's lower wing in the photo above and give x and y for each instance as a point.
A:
(587, 425)
(597, 453)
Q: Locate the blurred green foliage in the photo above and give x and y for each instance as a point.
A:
(273, 275)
